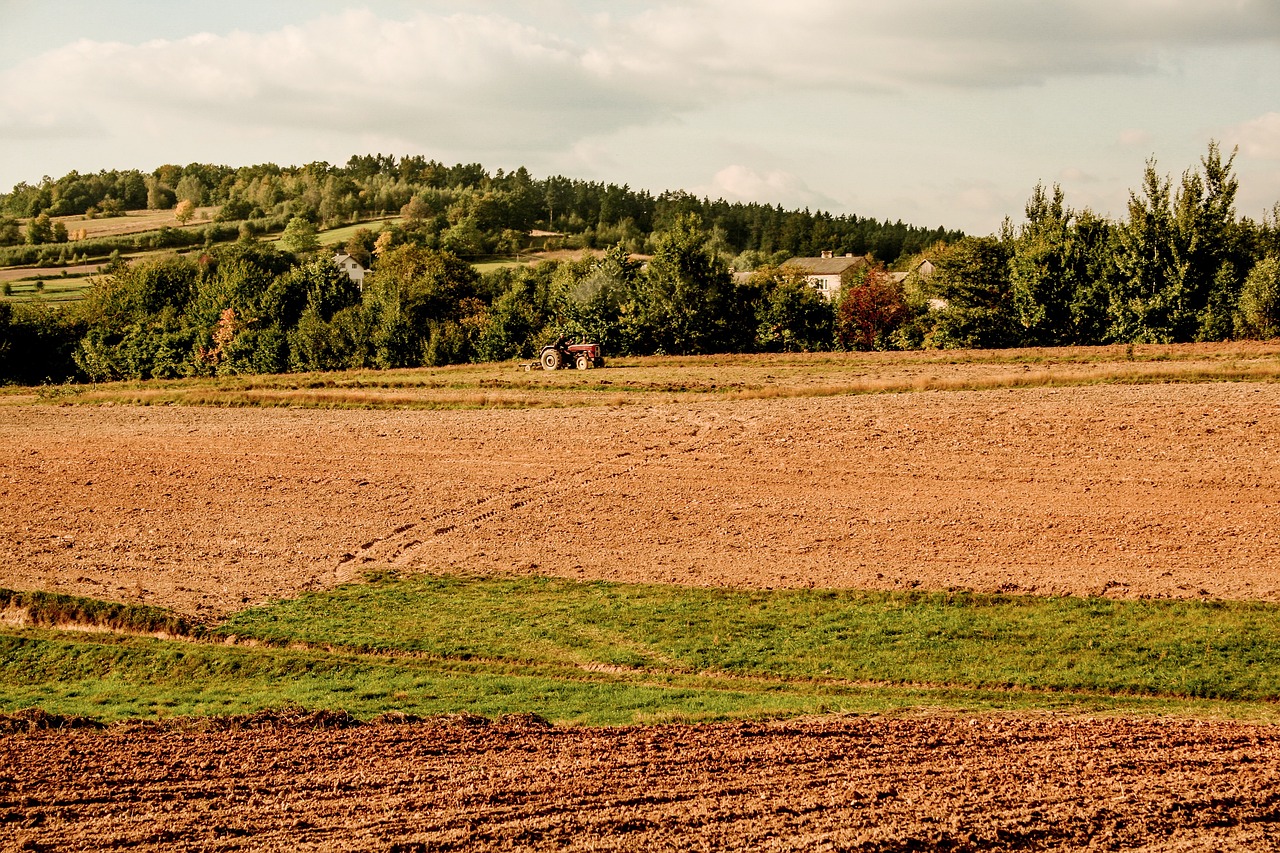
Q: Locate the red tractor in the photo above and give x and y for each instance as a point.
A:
(562, 353)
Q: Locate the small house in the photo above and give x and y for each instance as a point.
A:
(353, 268)
(826, 273)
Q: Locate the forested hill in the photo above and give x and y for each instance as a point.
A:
(465, 208)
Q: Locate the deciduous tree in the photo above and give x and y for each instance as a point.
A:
(299, 236)
(872, 305)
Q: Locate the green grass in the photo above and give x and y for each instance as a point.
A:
(1174, 648)
(346, 232)
(604, 653)
(56, 288)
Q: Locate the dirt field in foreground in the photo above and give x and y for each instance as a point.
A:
(1015, 783)
(1167, 491)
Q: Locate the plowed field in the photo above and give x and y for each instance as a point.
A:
(1168, 491)
(932, 783)
(1133, 491)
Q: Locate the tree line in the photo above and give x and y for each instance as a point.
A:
(1182, 266)
(464, 208)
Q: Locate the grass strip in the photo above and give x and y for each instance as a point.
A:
(56, 609)
(1182, 648)
(607, 653)
(109, 678)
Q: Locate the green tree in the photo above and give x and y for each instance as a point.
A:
(791, 315)
(315, 344)
(1206, 249)
(1259, 311)
(40, 230)
(591, 296)
(1093, 259)
(1146, 302)
(10, 234)
(299, 236)
(508, 325)
(160, 195)
(425, 284)
(1041, 271)
(971, 280)
(190, 189)
(1178, 256)
(688, 299)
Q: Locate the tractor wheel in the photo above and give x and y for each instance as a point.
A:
(583, 362)
(599, 361)
(550, 359)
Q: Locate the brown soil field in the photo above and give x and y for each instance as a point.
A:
(1154, 490)
(929, 782)
(1150, 490)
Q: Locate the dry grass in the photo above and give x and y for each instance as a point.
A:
(133, 222)
(661, 379)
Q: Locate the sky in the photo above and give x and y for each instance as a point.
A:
(933, 112)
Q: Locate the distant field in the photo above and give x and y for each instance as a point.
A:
(133, 222)
(346, 232)
(29, 275)
(659, 379)
(56, 287)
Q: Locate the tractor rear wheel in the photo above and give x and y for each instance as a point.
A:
(550, 359)
(583, 361)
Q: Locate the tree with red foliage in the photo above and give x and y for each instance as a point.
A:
(872, 305)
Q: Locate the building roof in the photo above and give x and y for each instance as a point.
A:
(827, 265)
(342, 257)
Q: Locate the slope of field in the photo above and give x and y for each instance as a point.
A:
(1167, 491)
(134, 222)
(869, 784)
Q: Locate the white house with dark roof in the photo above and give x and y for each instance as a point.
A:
(824, 274)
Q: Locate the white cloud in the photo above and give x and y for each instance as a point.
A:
(437, 80)
(1258, 138)
(1134, 137)
(742, 183)
(460, 80)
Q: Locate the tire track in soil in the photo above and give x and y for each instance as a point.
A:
(398, 549)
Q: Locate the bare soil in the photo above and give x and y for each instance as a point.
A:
(1155, 490)
(1124, 491)
(870, 784)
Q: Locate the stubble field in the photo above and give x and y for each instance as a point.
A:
(1161, 491)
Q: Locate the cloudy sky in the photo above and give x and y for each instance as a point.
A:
(936, 112)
